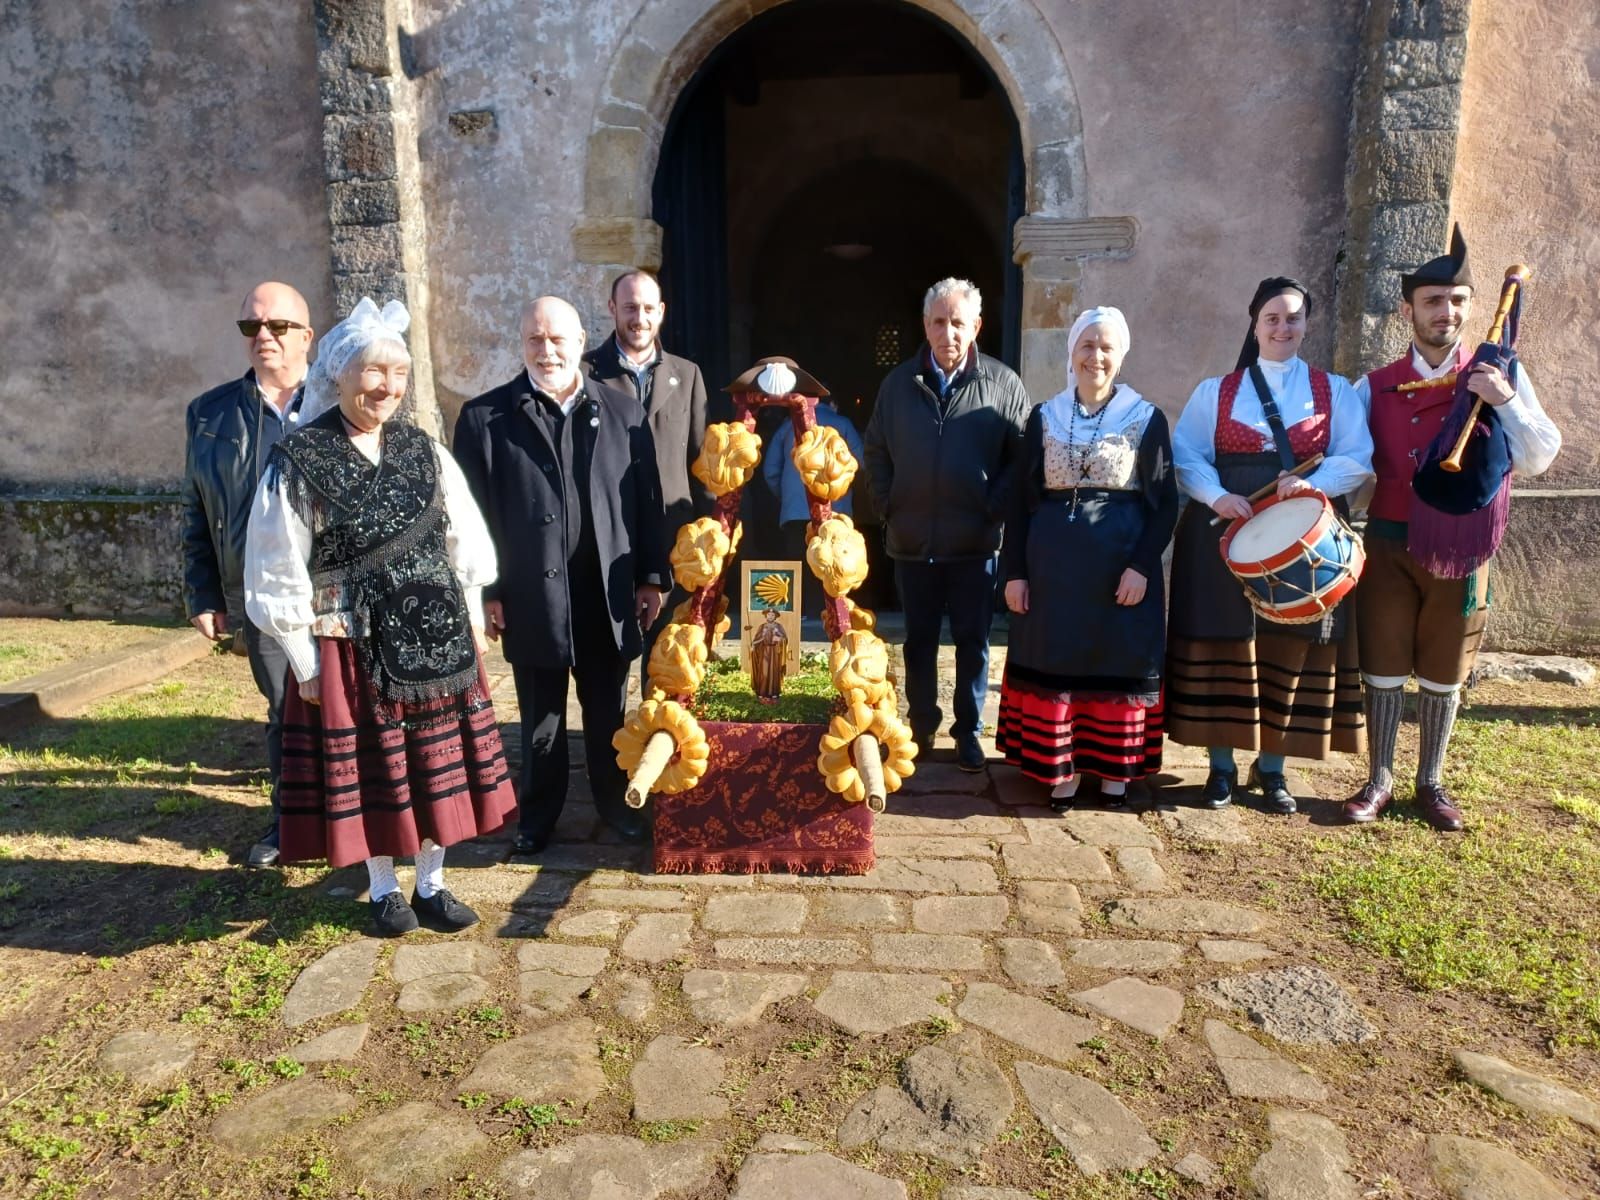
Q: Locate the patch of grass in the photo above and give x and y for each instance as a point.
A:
(667, 1131)
(1511, 908)
(808, 697)
(1579, 806)
(534, 1117)
(809, 1046)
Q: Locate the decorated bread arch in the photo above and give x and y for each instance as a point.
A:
(866, 751)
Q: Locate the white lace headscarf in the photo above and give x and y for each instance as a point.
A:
(1059, 408)
(340, 346)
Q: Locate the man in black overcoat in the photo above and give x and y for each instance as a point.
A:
(564, 470)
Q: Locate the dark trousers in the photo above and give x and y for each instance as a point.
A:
(601, 674)
(270, 666)
(928, 591)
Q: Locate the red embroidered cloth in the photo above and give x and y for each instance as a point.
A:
(761, 806)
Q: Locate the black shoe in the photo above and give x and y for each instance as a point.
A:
(633, 829)
(1219, 789)
(529, 844)
(263, 854)
(924, 746)
(1274, 789)
(442, 912)
(392, 916)
(969, 753)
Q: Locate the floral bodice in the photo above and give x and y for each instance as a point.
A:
(1111, 460)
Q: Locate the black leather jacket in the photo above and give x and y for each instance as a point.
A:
(223, 461)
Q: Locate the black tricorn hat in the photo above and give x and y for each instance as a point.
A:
(1448, 270)
(787, 378)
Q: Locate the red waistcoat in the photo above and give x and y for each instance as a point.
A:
(1403, 423)
(1306, 437)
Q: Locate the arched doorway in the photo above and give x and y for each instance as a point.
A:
(828, 162)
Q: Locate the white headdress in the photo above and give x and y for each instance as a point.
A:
(364, 327)
(1058, 409)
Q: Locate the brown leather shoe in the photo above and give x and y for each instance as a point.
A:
(1368, 804)
(1437, 808)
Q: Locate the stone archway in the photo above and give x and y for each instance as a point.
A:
(669, 40)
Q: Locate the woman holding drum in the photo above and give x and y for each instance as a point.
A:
(1236, 678)
(1092, 513)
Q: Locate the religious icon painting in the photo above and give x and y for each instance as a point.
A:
(770, 614)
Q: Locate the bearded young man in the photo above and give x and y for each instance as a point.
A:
(672, 392)
(1411, 621)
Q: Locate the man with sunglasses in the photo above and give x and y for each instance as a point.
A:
(230, 431)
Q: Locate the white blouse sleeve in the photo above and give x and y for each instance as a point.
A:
(1534, 438)
(277, 575)
(468, 545)
(1347, 463)
(1194, 445)
(1363, 390)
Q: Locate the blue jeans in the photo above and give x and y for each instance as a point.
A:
(928, 591)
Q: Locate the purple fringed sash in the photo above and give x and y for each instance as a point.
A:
(1453, 547)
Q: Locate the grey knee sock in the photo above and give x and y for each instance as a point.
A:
(1436, 717)
(1384, 707)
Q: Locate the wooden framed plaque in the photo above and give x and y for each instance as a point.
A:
(770, 586)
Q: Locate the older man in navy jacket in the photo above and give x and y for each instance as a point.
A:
(564, 470)
(944, 435)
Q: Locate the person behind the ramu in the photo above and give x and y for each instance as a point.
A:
(1412, 621)
(366, 559)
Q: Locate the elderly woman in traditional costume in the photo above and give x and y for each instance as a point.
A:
(1093, 512)
(1236, 680)
(366, 559)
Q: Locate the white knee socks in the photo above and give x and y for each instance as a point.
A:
(430, 869)
(380, 877)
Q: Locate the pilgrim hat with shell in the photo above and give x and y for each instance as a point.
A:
(777, 377)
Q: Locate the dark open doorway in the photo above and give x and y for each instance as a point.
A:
(829, 161)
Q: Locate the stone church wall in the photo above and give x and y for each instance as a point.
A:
(471, 155)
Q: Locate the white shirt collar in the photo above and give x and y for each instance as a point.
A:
(566, 406)
(1421, 367)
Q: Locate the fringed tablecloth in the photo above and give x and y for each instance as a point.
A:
(761, 806)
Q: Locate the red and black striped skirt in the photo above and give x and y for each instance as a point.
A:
(359, 782)
(1051, 736)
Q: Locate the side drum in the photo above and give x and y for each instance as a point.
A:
(1296, 558)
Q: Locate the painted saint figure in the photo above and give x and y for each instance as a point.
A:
(769, 655)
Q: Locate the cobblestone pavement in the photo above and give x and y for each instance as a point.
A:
(1013, 943)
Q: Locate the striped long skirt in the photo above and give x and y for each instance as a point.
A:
(1275, 694)
(357, 782)
(1050, 735)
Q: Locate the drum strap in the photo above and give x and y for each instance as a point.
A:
(1269, 406)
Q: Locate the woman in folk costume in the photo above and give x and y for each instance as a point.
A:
(1236, 680)
(366, 559)
(1093, 511)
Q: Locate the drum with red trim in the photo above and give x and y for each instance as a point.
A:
(1295, 556)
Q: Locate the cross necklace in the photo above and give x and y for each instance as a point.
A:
(1085, 453)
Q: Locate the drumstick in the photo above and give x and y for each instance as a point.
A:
(1304, 468)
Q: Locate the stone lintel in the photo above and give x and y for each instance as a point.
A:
(1072, 237)
(618, 241)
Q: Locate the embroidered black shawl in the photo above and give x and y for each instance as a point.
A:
(378, 537)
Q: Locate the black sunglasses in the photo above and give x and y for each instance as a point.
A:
(276, 328)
